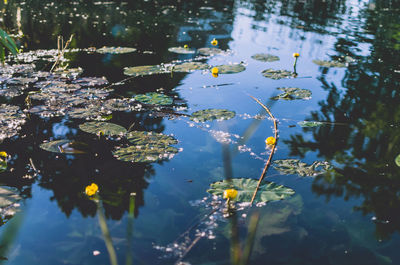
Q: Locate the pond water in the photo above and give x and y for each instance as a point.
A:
(340, 189)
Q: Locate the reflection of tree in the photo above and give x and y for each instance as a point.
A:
(364, 150)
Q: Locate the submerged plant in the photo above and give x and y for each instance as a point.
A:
(6, 43)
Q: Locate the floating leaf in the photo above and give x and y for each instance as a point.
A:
(181, 50)
(292, 93)
(210, 51)
(107, 128)
(154, 99)
(212, 114)
(115, 50)
(91, 81)
(397, 160)
(9, 203)
(69, 72)
(265, 57)
(310, 123)
(329, 64)
(189, 67)
(147, 147)
(11, 120)
(278, 74)
(3, 165)
(145, 70)
(230, 68)
(295, 166)
(65, 147)
(89, 113)
(268, 191)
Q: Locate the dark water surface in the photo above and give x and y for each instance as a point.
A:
(348, 215)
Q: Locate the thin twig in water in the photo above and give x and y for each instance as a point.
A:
(61, 54)
(272, 151)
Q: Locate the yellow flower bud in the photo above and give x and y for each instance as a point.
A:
(3, 154)
(296, 54)
(215, 75)
(214, 42)
(214, 70)
(186, 46)
(91, 189)
(270, 141)
(230, 194)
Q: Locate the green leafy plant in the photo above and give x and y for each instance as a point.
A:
(6, 42)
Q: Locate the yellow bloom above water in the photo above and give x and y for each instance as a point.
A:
(270, 140)
(186, 46)
(296, 54)
(214, 42)
(215, 75)
(91, 189)
(214, 70)
(230, 194)
(3, 154)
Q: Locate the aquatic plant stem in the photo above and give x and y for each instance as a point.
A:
(106, 233)
(61, 54)
(272, 150)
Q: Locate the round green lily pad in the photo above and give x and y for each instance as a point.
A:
(329, 64)
(9, 203)
(210, 51)
(146, 147)
(65, 147)
(230, 68)
(145, 70)
(11, 120)
(265, 57)
(295, 166)
(397, 160)
(292, 93)
(278, 74)
(115, 50)
(268, 191)
(310, 123)
(212, 114)
(189, 67)
(181, 50)
(106, 128)
(154, 99)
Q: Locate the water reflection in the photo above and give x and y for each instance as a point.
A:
(365, 148)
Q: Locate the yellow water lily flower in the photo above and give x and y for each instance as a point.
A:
(214, 42)
(296, 54)
(270, 140)
(215, 75)
(3, 154)
(214, 70)
(186, 46)
(91, 189)
(230, 194)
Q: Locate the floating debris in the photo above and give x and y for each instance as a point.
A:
(295, 166)
(115, 50)
(278, 74)
(11, 120)
(212, 114)
(268, 191)
(147, 147)
(154, 99)
(181, 50)
(293, 93)
(105, 128)
(65, 147)
(265, 57)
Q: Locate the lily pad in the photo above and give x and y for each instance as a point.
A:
(154, 99)
(115, 50)
(265, 57)
(65, 147)
(397, 160)
(212, 114)
(146, 147)
(189, 67)
(230, 68)
(181, 50)
(145, 70)
(292, 93)
(278, 74)
(89, 113)
(295, 166)
(210, 51)
(9, 203)
(11, 120)
(310, 123)
(3, 165)
(91, 81)
(107, 128)
(268, 191)
(329, 64)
